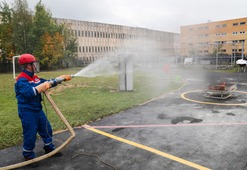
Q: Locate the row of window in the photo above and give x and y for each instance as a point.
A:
(81, 33)
(217, 42)
(240, 23)
(222, 34)
(233, 42)
(219, 26)
(97, 34)
(240, 32)
(100, 49)
(238, 41)
(89, 49)
(234, 24)
(233, 33)
(221, 51)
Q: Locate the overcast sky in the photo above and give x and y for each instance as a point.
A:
(163, 15)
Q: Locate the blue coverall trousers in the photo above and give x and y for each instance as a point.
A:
(33, 122)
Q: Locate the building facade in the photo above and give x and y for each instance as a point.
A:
(223, 38)
(96, 40)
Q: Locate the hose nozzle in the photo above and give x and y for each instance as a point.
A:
(62, 78)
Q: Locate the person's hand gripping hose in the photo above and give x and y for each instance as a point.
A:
(43, 87)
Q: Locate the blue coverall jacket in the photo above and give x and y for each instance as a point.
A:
(30, 111)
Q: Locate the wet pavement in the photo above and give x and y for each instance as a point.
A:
(180, 130)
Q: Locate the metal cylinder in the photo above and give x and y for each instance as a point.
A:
(125, 72)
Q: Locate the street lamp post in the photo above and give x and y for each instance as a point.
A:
(234, 55)
(242, 50)
(217, 55)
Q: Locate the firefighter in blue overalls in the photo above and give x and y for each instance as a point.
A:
(28, 89)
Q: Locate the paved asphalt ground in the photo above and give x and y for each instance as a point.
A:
(180, 130)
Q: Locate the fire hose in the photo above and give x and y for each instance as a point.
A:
(64, 120)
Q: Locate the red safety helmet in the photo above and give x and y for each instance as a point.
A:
(26, 59)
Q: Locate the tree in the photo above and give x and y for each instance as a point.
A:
(6, 30)
(52, 50)
(70, 47)
(42, 23)
(38, 34)
(47, 38)
(22, 24)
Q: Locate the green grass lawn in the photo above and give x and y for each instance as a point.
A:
(81, 100)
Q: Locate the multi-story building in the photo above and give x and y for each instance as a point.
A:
(95, 40)
(222, 38)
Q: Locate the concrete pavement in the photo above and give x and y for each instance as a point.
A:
(169, 133)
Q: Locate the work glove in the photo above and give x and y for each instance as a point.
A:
(43, 87)
(66, 77)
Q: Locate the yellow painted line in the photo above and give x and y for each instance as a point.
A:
(174, 158)
(212, 103)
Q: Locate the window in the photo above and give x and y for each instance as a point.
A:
(235, 24)
(221, 34)
(223, 42)
(242, 32)
(224, 25)
(223, 50)
(221, 26)
(234, 33)
(242, 23)
(218, 42)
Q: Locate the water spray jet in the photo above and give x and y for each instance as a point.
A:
(121, 65)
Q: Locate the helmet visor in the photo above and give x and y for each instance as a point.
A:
(36, 66)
